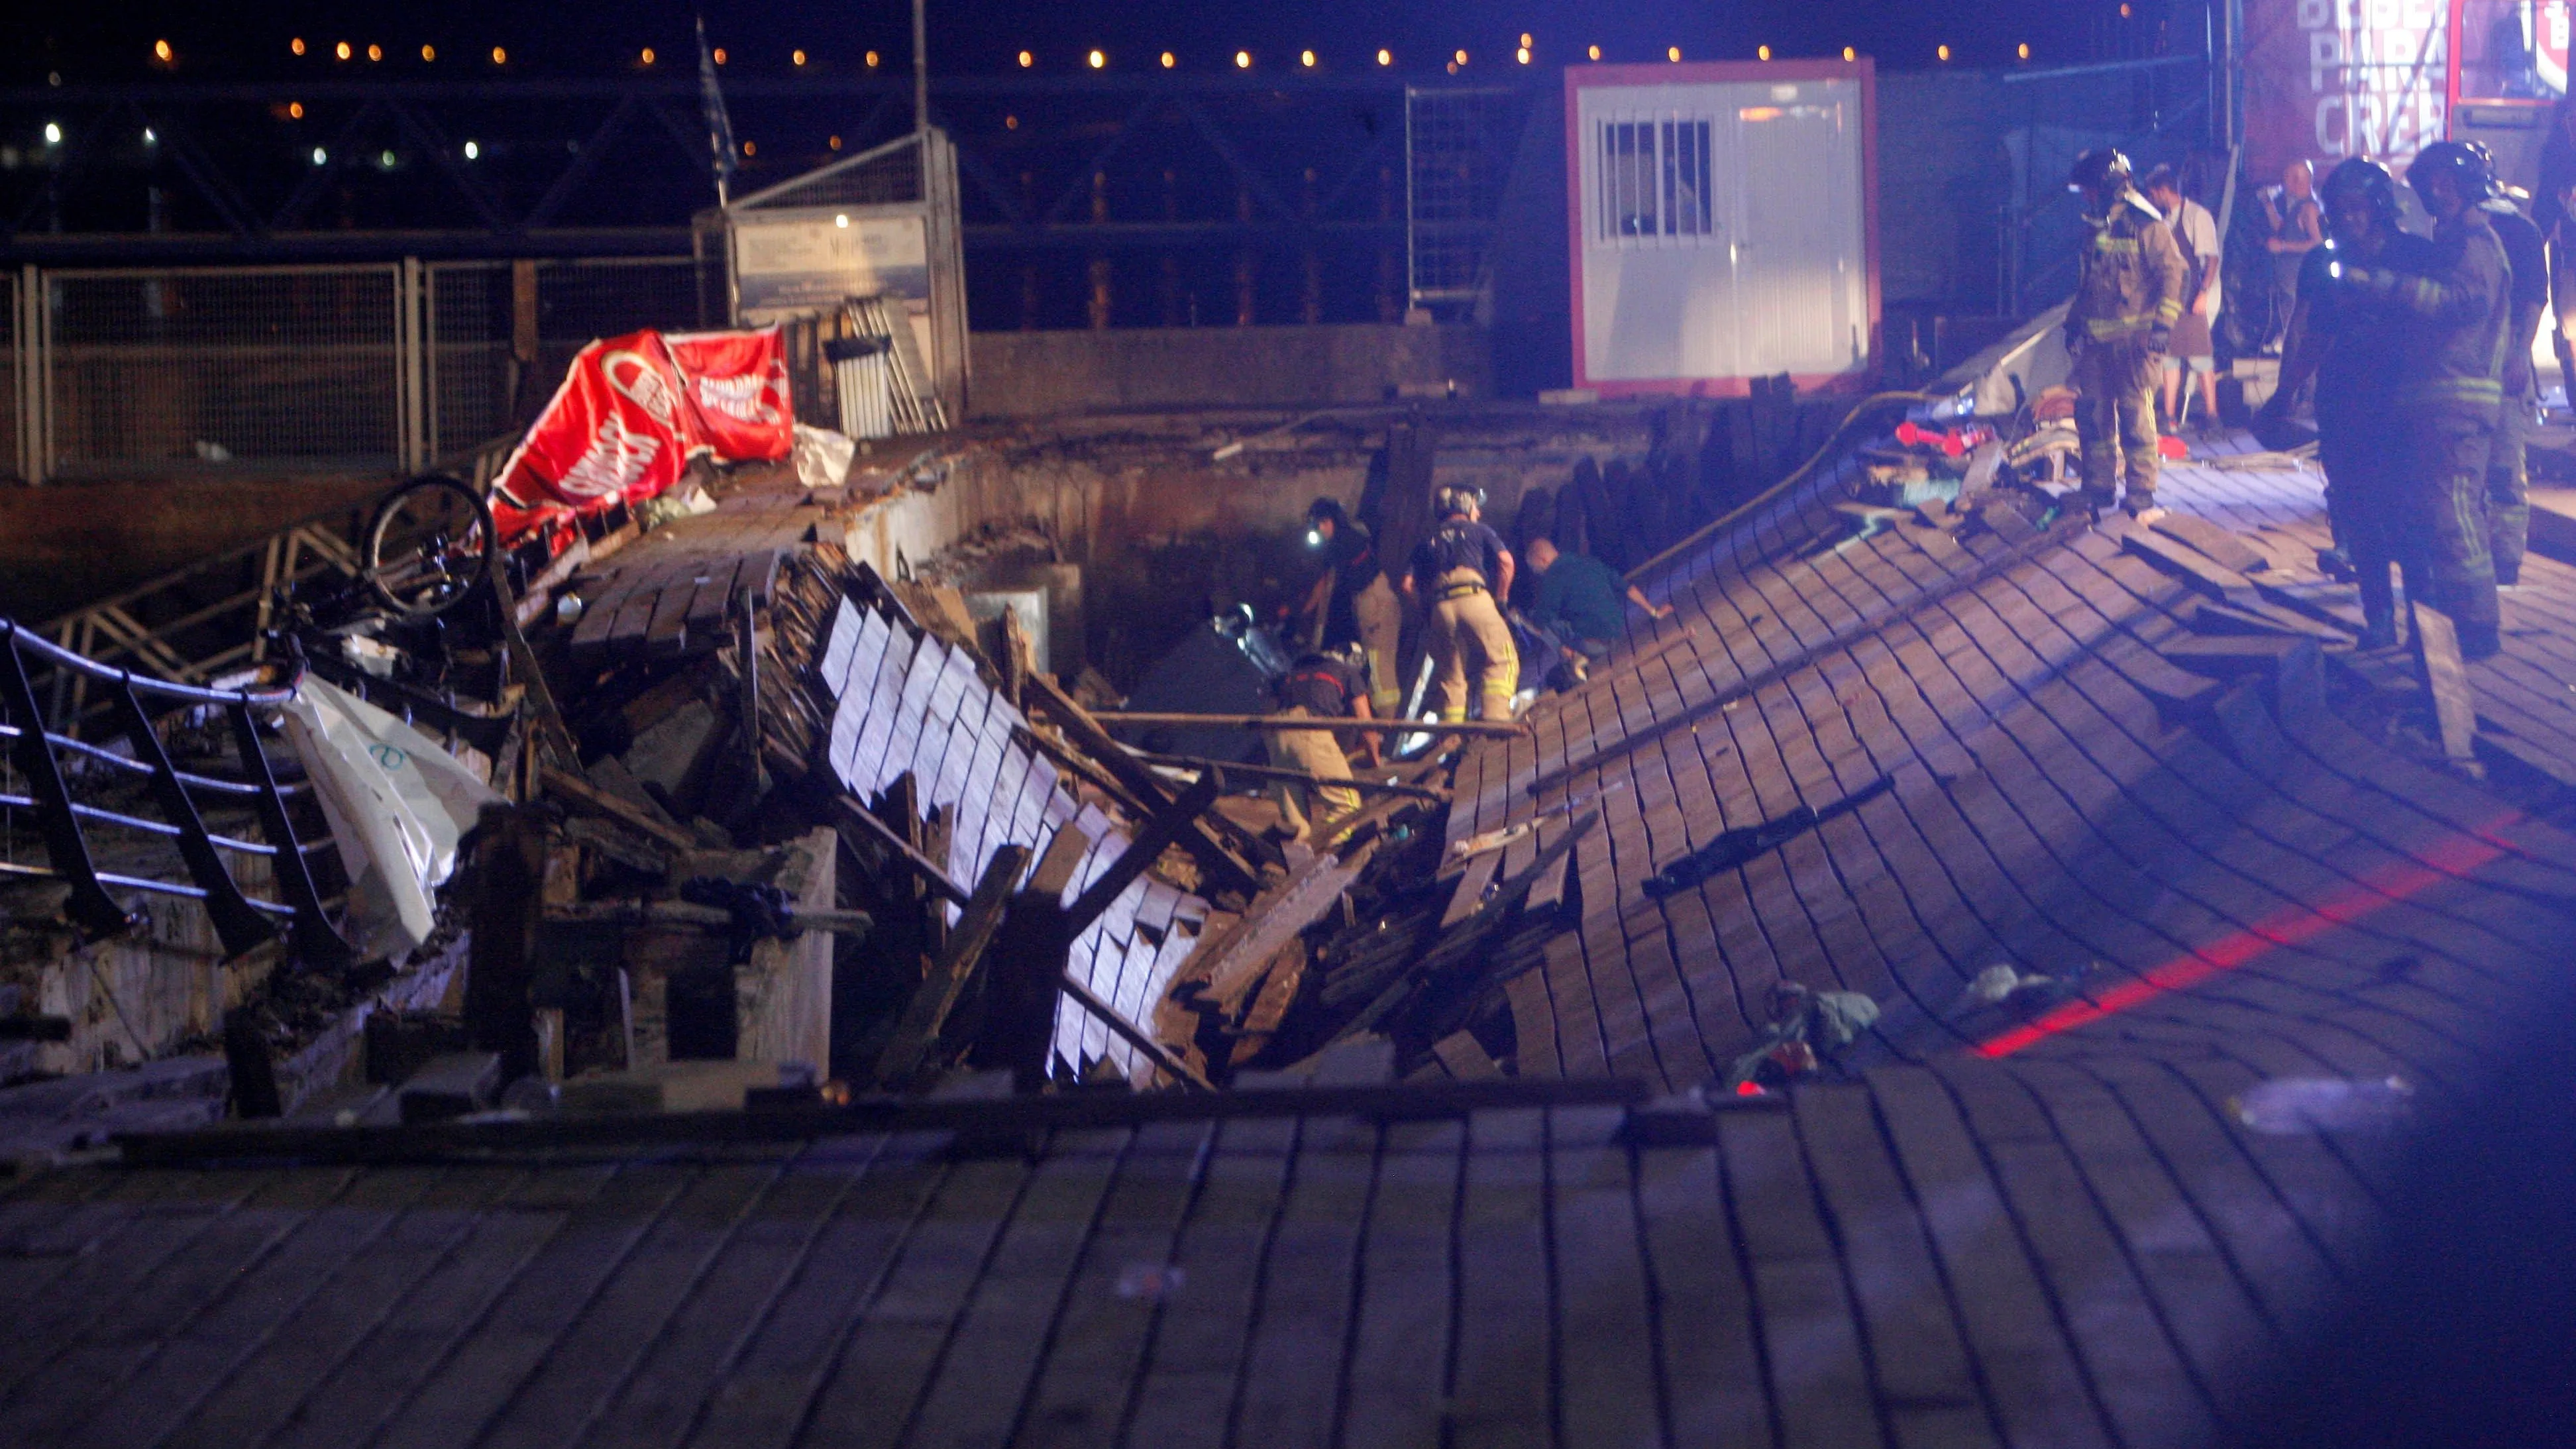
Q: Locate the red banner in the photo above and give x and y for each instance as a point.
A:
(631, 412)
(737, 385)
(2330, 79)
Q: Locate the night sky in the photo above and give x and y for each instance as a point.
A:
(234, 42)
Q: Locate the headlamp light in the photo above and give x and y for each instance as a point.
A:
(1314, 539)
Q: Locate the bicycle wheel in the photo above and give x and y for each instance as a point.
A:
(429, 545)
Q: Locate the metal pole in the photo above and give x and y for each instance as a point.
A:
(920, 66)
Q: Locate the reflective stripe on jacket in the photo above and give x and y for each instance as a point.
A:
(2129, 275)
(2459, 316)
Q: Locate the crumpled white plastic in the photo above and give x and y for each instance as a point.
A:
(822, 457)
(397, 804)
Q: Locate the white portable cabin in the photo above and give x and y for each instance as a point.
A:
(1723, 220)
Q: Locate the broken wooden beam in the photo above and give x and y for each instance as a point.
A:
(1226, 870)
(599, 802)
(1361, 784)
(2447, 676)
(1160, 1055)
(1273, 723)
(917, 1034)
(1165, 828)
(930, 871)
(682, 913)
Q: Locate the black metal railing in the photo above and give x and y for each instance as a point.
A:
(36, 754)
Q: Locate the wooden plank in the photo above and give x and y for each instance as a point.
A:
(2455, 704)
(600, 802)
(927, 1012)
(2218, 545)
(2187, 565)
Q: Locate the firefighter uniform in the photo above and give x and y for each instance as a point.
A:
(1361, 607)
(2508, 478)
(2128, 294)
(2457, 318)
(1453, 573)
(2360, 439)
(1322, 687)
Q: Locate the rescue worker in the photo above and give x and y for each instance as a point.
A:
(2351, 345)
(1323, 684)
(1352, 603)
(2128, 295)
(2455, 327)
(2508, 475)
(1457, 573)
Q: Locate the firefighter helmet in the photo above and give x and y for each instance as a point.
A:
(2366, 179)
(2468, 170)
(2104, 169)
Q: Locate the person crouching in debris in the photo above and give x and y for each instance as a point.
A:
(1324, 684)
(1579, 600)
(1352, 604)
(2352, 344)
(1457, 573)
(2128, 295)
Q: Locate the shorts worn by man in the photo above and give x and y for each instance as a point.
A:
(1319, 686)
(1456, 572)
(2128, 295)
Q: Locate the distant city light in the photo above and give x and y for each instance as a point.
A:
(149, 139)
(295, 110)
(1593, 51)
(1097, 60)
(53, 133)
(1943, 52)
(1169, 60)
(1027, 60)
(1761, 52)
(1526, 42)
(296, 45)
(798, 57)
(834, 143)
(341, 50)
(2022, 50)
(320, 156)
(385, 160)
(748, 149)
(1306, 58)
(872, 60)
(720, 55)
(429, 52)
(502, 57)
(1243, 60)
(647, 56)
(841, 220)
(472, 151)
(375, 52)
(1849, 53)
(1673, 54)
(1386, 57)
(1010, 123)
(1521, 55)
(161, 51)
(1459, 59)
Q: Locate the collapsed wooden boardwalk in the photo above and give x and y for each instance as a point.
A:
(1999, 1229)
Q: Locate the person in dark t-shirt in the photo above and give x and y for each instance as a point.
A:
(1582, 599)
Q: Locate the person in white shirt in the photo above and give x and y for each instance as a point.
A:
(2195, 231)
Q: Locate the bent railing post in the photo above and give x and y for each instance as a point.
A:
(315, 942)
(238, 924)
(90, 906)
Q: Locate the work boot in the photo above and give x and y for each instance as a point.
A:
(2142, 507)
(2335, 563)
(2480, 641)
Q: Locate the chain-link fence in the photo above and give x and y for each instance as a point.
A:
(291, 366)
(322, 368)
(1458, 148)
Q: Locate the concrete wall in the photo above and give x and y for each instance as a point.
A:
(1036, 374)
(65, 544)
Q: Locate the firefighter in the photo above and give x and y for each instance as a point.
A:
(2455, 327)
(2508, 476)
(2351, 345)
(1457, 573)
(1323, 684)
(2128, 295)
(1352, 603)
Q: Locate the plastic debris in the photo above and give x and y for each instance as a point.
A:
(2287, 1106)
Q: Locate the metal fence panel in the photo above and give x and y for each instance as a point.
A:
(10, 461)
(477, 388)
(1459, 146)
(295, 366)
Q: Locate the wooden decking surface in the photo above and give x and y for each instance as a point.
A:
(1990, 1231)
